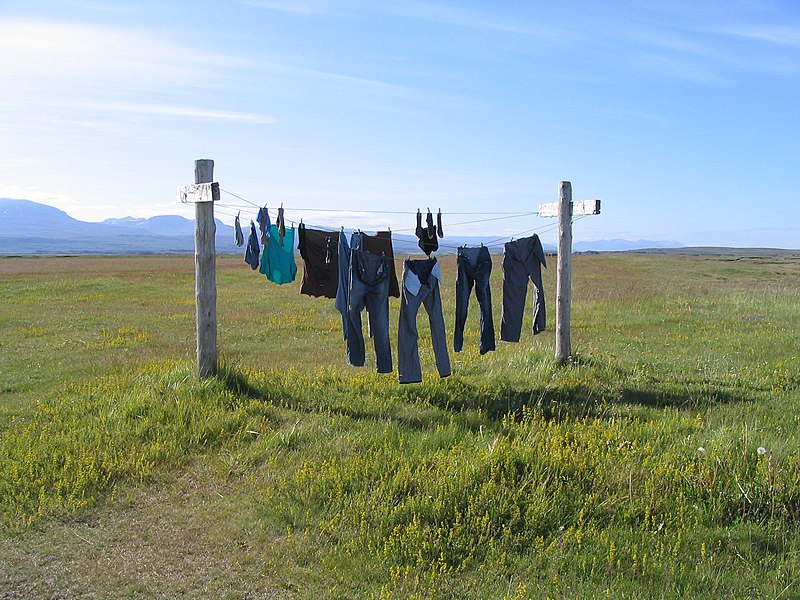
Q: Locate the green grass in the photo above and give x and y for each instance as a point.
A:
(632, 472)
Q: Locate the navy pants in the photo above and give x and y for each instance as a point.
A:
(369, 288)
(523, 260)
(474, 268)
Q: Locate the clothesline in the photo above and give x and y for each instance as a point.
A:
(509, 216)
(498, 242)
(384, 212)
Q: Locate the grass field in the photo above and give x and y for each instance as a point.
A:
(662, 462)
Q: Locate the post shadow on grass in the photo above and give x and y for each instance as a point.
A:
(237, 383)
(335, 402)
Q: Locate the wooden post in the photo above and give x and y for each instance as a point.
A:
(205, 262)
(564, 272)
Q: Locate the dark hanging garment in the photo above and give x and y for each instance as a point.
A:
(381, 244)
(280, 221)
(421, 279)
(369, 288)
(439, 228)
(263, 225)
(523, 259)
(427, 235)
(474, 268)
(320, 253)
(238, 236)
(253, 251)
(342, 288)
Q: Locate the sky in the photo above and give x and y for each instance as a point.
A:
(682, 117)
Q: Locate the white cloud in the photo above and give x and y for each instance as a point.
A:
(181, 111)
(57, 57)
(773, 34)
(473, 19)
(291, 6)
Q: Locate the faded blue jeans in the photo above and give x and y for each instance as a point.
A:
(421, 280)
(474, 267)
(368, 288)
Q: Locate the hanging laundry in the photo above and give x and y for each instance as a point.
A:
(320, 253)
(474, 268)
(381, 244)
(277, 261)
(522, 260)
(238, 236)
(263, 224)
(439, 228)
(428, 241)
(368, 288)
(253, 250)
(421, 286)
(280, 221)
(342, 286)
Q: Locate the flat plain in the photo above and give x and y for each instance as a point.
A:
(661, 462)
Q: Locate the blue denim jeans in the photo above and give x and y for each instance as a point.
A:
(369, 288)
(474, 268)
(420, 287)
(523, 259)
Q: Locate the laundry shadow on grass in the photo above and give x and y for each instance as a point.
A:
(422, 405)
(576, 401)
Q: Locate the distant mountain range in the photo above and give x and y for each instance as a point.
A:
(31, 228)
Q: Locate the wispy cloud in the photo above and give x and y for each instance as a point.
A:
(300, 8)
(473, 19)
(182, 111)
(64, 74)
(60, 53)
(773, 34)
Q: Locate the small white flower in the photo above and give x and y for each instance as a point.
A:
(761, 451)
(701, 452)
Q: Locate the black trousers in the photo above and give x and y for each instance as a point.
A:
(474, 268)
(523, 260)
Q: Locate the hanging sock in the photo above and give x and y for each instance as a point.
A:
(263, 224)
(426, 235)
(439, 224)
(252, 254)
(238, 236)
(280, 221)
(429, 225)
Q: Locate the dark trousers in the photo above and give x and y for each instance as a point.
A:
(429, 295)
(474, 268)
(522, 260)
(369, 288)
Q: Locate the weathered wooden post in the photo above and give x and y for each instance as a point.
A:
(564, 273)
(205, 263)
(203, 194)
(564, 209)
